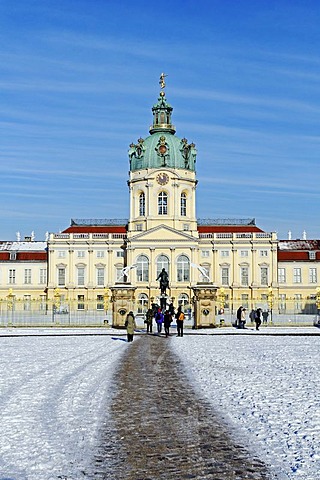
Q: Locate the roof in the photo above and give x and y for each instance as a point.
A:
(298, 250)
(23, 246)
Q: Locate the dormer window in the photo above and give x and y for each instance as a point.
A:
(312, 255)
(13, 255)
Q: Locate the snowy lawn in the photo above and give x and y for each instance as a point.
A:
(54, 394)
(268, 388)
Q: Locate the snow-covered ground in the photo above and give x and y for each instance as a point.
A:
(54, 394)
(55, 389)
(268, 388)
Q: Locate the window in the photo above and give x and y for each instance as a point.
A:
(183, 205)
(142, 269)
(297, 275)
(80, 302)
(162, 204)
(61, 276)
(162, 262)
(100, 302)
(282, 303)
(298, 302)
(61, 254)
(142, 303)
(27, 275)
(139, 227)
(281, 275)
(264, 275)
(119, 276)
(245, 300)
(13, 255)
(120, 253)
(224, 253)
(263, 253)
(80, 274)
(81, 253)
(12, 276)
(244, 276)
(26, 302)
(100, 254)
(142, 205)
(183, 269)
(43, 302)
(205, 253)
(312, 255)
(183, 300)
(43, 276)
(312, 275)
(100, 276)
(224, 276)
(244, 253)
(185, 227)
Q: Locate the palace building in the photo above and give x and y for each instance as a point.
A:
(86, 263)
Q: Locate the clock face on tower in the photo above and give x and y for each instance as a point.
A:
(162, 178)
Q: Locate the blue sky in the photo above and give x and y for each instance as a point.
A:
(78, 79)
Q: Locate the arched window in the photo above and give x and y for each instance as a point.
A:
(162, 203)
(183, 300)
(183, 205)
(142, 204)
(162, 262)
(142, 303)
(183, 269)
(142, 269)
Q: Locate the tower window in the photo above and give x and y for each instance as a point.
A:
(183, 269)
(162, 204)
(183, 204)
(142, 205)
(142, 269)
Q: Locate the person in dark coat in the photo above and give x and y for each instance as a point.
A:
(265, 315)
(238, 321)
(167, 322)
(180, 319)
(130, 325)
(257, 318)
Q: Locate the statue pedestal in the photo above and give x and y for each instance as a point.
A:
(122, 299)
(204, 301)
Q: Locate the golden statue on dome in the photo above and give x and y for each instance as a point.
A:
(162, 80)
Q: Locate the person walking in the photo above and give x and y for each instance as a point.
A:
(243, 318)
(130, 325)
(159, 320)
(257, 318)
(149, 319)
(180, 319)
(167, 322)
(265, 316)
(238, 321)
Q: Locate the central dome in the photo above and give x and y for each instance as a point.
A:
(162, 148)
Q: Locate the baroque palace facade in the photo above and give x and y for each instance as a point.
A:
(76, 269)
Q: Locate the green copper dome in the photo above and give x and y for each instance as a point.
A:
(162, 148)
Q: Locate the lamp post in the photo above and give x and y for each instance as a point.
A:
(222, 300)
(270, 302)
(10, 303)
(56, 302)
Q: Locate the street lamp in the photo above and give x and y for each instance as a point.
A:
(270, 302)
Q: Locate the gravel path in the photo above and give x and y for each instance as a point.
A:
(161, 430)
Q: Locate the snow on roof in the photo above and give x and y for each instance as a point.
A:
(23, 246)
(299, 244)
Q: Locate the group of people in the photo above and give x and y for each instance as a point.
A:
(256, 316)
(165, 318)
(162, 317)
